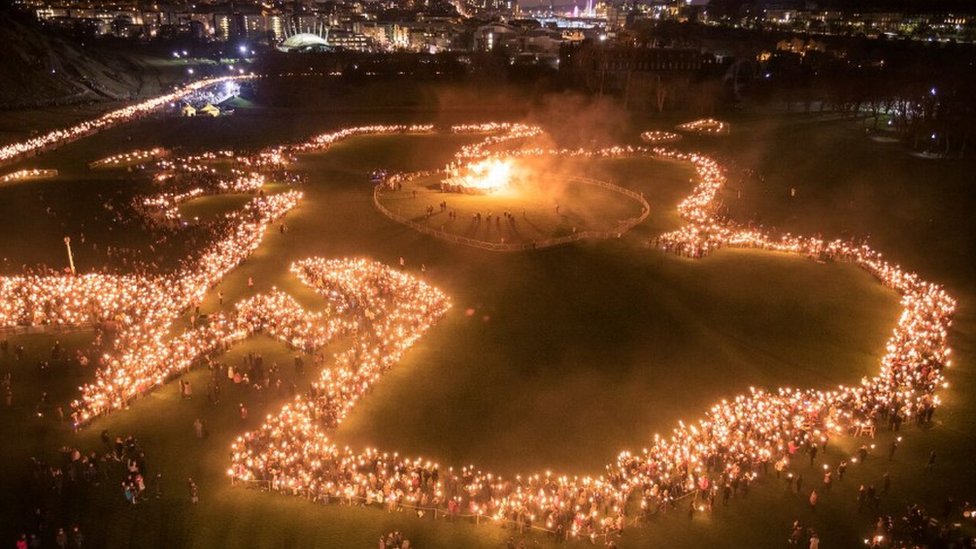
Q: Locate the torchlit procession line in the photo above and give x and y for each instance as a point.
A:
(734, 441)
(144, 359)
(145, 308)
(705, 126)
(28, 174)
(129, 158)
(660, 137)
(326, 140)
(387, 311)
(16, 151)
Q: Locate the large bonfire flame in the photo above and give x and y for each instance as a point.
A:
(487, 176)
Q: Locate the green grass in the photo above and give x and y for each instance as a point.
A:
(208, 208)
(570, 355)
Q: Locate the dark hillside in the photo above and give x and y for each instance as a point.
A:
(41, 69)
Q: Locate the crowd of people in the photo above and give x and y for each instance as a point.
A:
(721, 454)
(142, 307)
(62, 539)
(803, 536)
(917, 527)
(386, 311)
(57, 363)
(394, 540)
(58, 487)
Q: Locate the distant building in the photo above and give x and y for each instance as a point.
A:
(646, 77)
(488, 37)
(349, 40)
(304, 42)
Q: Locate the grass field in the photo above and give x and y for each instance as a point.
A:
(211, 207)
(569, 355)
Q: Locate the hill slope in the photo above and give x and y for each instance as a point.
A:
(41, 68)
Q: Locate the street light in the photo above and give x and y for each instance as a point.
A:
(71, 259)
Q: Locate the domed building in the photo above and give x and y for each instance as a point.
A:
(304, 42)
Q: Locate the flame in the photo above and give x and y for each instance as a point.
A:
(489, 175)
